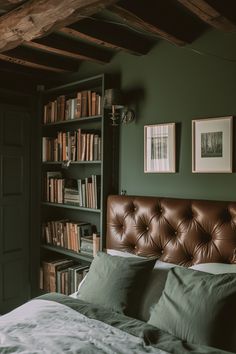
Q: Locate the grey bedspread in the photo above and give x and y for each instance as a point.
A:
(150, 335)
(54, 324)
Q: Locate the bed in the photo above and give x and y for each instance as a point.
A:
(167, 284)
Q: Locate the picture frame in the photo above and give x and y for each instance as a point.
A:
(212, 145)
(159, 148)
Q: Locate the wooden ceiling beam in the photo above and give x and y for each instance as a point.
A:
(95, 40)
(70, 48)
(137, 22)
(208, 14)
(39, 60)
(108, 35)
(35, 19)
(7, 2)
(7, 5)
(61, 52)
(29, 64)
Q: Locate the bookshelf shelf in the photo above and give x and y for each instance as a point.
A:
(76, 120)
(66, 206)
(69, 253)
(72, 162)
(89, 142)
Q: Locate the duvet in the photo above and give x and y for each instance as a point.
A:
(55, 323)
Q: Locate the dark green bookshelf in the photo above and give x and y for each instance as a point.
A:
(106, 167)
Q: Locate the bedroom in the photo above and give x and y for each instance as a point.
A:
(168, 84)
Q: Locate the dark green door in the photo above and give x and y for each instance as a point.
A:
(14, 207)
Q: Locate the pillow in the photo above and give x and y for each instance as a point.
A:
(155, 284)
(116, 282)
(112, 252)
(154, 288)
(215, 268)
(198, 307)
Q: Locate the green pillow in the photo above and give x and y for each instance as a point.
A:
(198, 307)
(116, 282)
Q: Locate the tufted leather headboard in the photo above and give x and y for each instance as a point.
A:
(179, 231)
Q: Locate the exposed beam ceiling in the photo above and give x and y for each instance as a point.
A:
(208, 13)
(54, 36)
(70, 48)
(108, 35)
(137, 22)
(36, 18)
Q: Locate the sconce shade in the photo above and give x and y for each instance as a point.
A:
(112, 97)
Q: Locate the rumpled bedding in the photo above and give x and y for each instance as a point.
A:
(55, 323)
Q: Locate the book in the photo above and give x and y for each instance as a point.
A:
(49, 272)
(84, 103)
(93, 110)
(86, 245)
(75, 276)
(90, 244)
(89, 102)
(53, 268)
(71, 193)
(96, 243)
(49, 190)
(78, 107)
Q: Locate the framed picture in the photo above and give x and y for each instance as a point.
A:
(159, 148)
(212, 145)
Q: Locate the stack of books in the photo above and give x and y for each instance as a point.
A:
(72, 146)
(84, 192)
(61, 275)
(85, 103)
(65, 233)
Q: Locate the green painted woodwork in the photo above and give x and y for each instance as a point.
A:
(14, 207)
(174, 84)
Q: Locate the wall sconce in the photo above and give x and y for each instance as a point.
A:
(113, 100)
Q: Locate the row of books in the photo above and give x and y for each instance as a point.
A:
(85, 104)
(72, 146)
(78, 192)
(61, 275)
(69, 235)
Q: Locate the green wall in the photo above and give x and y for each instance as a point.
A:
(175, 85)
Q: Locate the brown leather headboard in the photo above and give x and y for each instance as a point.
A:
(179, 231)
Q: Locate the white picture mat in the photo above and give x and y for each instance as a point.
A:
(165, 133)
(212, 164)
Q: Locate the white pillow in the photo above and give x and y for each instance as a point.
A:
(164, 265)
(158, 264)
(112, 252)
(215, 268)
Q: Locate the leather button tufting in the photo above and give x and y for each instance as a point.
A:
(147, 228)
